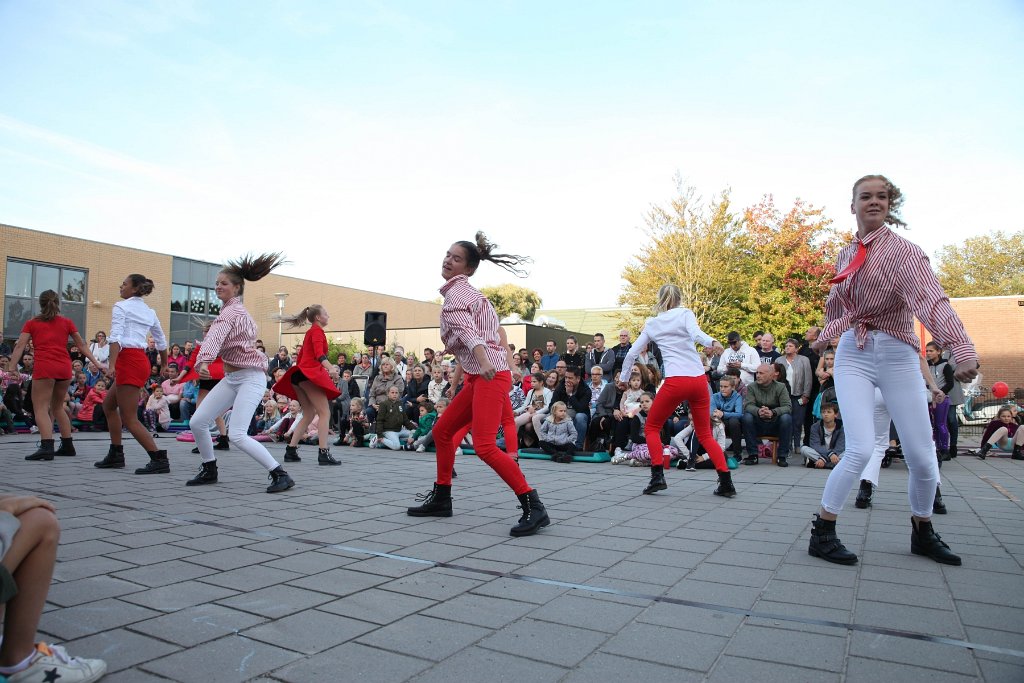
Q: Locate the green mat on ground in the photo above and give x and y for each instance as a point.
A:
(580, 456)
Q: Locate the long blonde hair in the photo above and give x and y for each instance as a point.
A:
(669, 297)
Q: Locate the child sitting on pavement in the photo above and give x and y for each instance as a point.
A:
(827, 440)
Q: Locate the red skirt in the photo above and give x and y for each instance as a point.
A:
(132, 368)
(319, 377)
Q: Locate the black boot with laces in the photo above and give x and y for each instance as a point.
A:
(158, 464)
(657, 482)
(436, 503)
(938, 507)
(279, 480)
(725, 486)
(222, 443)
(207, 475)
(44, 452)
(291, 454)
(534, 515)
(324, 457)
(114, 458)
(67, 447)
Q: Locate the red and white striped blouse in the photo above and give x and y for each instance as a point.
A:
(468, 320)
(895, 284)
(232, 336)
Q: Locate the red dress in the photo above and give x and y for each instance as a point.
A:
(308, 362)
(216, 368)
(50, 340)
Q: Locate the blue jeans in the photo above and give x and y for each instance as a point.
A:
(754, 427)
(582, 422)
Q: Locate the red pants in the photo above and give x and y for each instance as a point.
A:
(481, 405)
(508, 426)
(674, 391)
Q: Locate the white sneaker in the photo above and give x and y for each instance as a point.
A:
(421, 449)
(458, 451)
(619, 453)
(53, 663)
(373, 441)
(33, 430)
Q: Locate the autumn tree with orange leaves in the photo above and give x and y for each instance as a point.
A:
(790, 258)
(766, 270)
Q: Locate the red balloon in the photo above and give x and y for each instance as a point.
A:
(1000, 389)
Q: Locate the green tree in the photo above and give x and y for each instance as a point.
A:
(988, 265)
(693, 244)
(508, 299)
(351, 349)
(789, 259)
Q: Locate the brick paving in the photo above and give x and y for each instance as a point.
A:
(332, 581)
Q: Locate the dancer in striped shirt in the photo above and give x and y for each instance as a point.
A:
(884, 281)
(232, 337)
(469, 329)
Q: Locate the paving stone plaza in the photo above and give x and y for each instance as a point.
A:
(332, 581)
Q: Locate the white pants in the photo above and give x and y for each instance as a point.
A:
(882, 420)
(241, 391)
(394, 440)
(893, 368)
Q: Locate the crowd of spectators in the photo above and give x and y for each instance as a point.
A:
(564, 400)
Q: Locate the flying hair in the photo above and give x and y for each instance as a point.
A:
(306, 315)
(484, 250)
(251, 268)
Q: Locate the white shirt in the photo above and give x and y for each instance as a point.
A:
(676, 333)
(100, 353)
(132, 324)
(748, 358)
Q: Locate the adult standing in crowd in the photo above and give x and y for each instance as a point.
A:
(739, 356)
(49, 332)
(601, 357)
(100, 349)
(134, 329)
(311, 382)
(620, 350)
(675, 330)
(231, 337)
(799, 373)
(884, 281)
(469, 330)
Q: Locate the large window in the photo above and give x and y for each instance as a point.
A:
(27, 280)
(193, 302)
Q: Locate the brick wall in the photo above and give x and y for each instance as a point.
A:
(107, 265)
(996, 325)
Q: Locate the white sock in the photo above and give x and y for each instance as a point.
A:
(21, 666)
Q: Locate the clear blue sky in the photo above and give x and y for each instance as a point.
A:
(364, 137)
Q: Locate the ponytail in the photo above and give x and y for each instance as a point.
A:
(483, 250)
(49, 306)
(306, 315)
(251, 268)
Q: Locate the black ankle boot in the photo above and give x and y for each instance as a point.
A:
(938, 507)
(924, 541)
(534, 515)
(207, 475)
(657, 482)
(158, 464)
(864, 495)
(222, 443)
(1017, 453)
(67, 447)
(324, 457)
(985, 448)
(725, 487)
(279, 480)
(436, 503)
(291, 454)
(44, 452)
(114, 458)
(826, 545)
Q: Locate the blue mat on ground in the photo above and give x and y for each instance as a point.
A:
(580, 456)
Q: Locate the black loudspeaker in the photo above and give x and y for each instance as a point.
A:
(375, 328)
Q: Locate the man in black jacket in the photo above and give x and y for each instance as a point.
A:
(576, 396)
